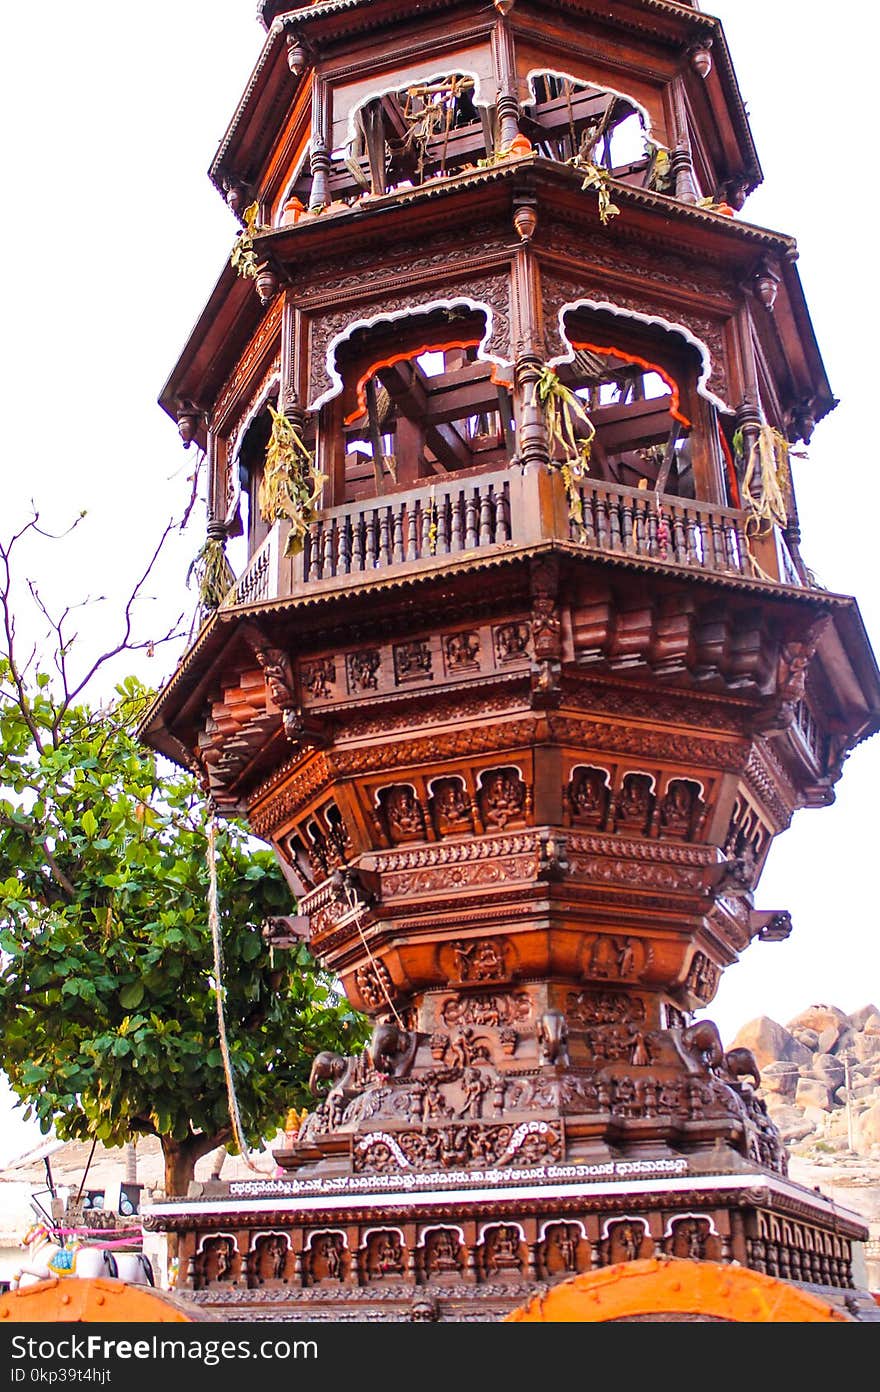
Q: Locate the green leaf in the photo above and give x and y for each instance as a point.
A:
(131, 996)
(89, 823)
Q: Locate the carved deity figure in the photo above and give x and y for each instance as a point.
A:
(562, 1244)
(450, 806)
(402, 813)
(479, 961)
(278, 674)
(589, 796)
(219, 1254)
(433, 1102)
(626, 1240)
(634, 806)
(442, 1252)
(386, 1255)
(502, 797)
(689, 1239)
(327, 1257)
(462, 650)
(604, 957)
(679, 807)
(273, 1255)
(502, 1249)
(475, 1085)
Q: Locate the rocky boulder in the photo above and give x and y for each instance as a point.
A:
(867, 1129)
(811, 1092)
(819, 1018)
(771, 1043)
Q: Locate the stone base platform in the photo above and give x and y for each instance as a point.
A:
(472, 1246)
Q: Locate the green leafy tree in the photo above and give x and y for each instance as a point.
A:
(108, 992)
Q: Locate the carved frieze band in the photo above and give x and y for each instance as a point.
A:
(492, 290)
(674, 746)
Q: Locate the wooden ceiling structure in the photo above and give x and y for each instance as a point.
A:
(545, 672)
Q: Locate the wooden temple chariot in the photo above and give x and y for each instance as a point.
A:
(525, 686)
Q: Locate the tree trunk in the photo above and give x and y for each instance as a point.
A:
(180, 1167)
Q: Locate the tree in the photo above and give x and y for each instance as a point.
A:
(108, 992)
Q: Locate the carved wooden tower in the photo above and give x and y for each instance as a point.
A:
(524, 671)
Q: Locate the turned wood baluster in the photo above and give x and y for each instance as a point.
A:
(344, 564)
(412, 535)
(679, 542)
(443, 510)
(502, 514)
(470, 523)
(398, 534)
(627, 524)
(372, 540)
(316, 551)
(691, 542)
(601, 522)
(651, 522)
(485, 518)
(357, 542)
(704, 542)
(615, 538)
(736, 547)
(327, 561)
(589, 502)
(426, 549)
(719, 560)
(384, 537)
(456, 534)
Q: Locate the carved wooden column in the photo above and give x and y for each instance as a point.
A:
(320, 154)
(507, 104)
(682, 162)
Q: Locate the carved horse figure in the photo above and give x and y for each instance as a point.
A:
(48, 1257)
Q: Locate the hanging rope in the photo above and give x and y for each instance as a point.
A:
(214, 924)
(357, 907)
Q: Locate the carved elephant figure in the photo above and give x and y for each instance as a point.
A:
(326, 1065)
(701, 1047)
(552, 1034)
(391, 1049)
(741, 1063)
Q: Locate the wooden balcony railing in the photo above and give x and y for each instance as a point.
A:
(443, 519)
(631, 522)
(427, 526)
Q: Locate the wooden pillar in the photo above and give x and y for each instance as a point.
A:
(682, 163)
(322, 116)
(505, 72)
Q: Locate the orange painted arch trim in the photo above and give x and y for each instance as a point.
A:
(676, 1286)
(415, 353)
(671, 383)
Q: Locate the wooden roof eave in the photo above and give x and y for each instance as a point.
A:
(259, 115)
(850, 667)
(210, 653)
(272, 86)
(792, 325)
(225, 325)
(721, 238)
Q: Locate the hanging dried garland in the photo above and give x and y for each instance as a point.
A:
(291, 485)
(243, 257)
(596, 176)
(561, 407)
(767, 507)
(213, 574)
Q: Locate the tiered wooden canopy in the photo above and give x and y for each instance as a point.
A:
(521, 728)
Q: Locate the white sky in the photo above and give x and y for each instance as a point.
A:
(113, 238)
